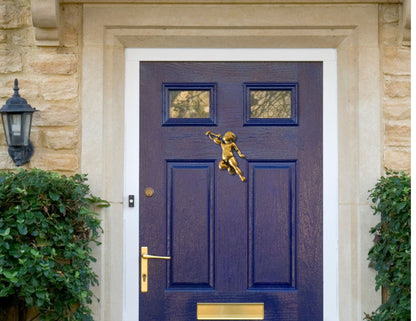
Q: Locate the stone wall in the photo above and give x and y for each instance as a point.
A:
(48, 79)
(395, 65)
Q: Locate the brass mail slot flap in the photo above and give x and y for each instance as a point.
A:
(230, 311)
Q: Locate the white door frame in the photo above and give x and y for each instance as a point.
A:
(133, 58)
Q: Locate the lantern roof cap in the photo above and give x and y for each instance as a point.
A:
(16, 104)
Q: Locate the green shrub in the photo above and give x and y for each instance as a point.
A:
(390, 255)
(47, 228)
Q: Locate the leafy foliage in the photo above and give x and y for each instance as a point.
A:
(390, 254)
(47, 227)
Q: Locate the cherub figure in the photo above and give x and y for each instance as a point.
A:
(228, 144)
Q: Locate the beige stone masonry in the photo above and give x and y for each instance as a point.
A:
(396, 59)
(15, 14)
(54, 64)
(57, 114)
(396, 87)
(398, 133)
(62, 161)
(48, 79)
(395, 64)
(397, 111)
(29, 89)
(70, 28)
(397, 158)
(10, 62)
(57, 139)
(3, 36)
(59, 88)
(6, 162)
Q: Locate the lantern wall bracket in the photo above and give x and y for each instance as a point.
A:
(21, 154)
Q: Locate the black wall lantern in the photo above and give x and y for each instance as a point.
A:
(16, 116)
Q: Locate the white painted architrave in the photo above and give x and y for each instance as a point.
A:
(330, 158)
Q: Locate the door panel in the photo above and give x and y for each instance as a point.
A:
(272, 221)
(190, 221)
(231, 241)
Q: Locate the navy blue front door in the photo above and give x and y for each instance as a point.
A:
(230, 240)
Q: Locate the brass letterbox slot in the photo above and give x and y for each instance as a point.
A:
(230, 311)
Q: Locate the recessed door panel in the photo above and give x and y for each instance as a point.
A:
(190, 225)
(272, 215)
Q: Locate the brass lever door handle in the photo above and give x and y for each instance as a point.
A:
(144, 257)
(147, 256)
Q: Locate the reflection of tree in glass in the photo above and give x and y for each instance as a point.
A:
(270, 104)
(189, 103)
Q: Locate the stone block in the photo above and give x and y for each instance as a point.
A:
(69, 37)
(389, 34)
(56, 139)
(2, 137)
(21, 37)
(59, 88)
(28, 89)
(397, 88)
(54, 63)
(35, 137)
(54, 160)
(14, 15)
(397, 133)
(5, 93)
(4, 17)
(6, 162)
(396, 61)
(3, 36)
(10, 61)
(398, 111)
(397, 158)
(71, 24)
(59, 114)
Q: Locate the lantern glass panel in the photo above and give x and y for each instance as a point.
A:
(15, 123)
(5, 121)
(18, 128)
(26, 123)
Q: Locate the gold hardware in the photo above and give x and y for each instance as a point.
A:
(144, 277)
(148, 191)
(230, 311)
(146, 256)
(228, 145)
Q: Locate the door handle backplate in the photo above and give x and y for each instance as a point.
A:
(144, 267)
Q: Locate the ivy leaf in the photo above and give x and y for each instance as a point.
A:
(11, 276)
(5, 232)
(22, 229)
(54, 196)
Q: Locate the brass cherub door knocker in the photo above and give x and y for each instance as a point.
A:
(228, 146)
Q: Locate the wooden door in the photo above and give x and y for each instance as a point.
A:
(231, 241)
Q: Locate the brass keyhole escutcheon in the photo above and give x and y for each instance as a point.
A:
(149, 192)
